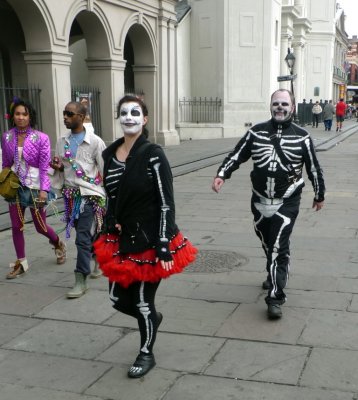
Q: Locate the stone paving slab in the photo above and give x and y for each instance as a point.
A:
(315, 255)
(353, 307)
(16, 392)
(12, 326)
(184, 316)
(58, 373)
(328, 267)
(264, 362)
(236, 277)
(173, 352)
(320, 244)
(331, 329)
(314, 282)
(211, 292)
(249, 321)
(202, 312)
(17, 299)
(318, 299)
(52, 337)
(115, 385)
(94, 308)
(332, 369)
(193, 387)
(40, 276)
(349, 285)
(68, 280)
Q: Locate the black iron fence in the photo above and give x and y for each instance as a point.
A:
(90, 97)
(304, 112)
(29, 93)
(200, 110)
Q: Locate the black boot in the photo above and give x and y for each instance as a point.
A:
(141, 366)
(266, 285)
(274, 311)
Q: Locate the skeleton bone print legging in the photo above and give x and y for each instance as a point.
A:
(274, 232)
(138, 301)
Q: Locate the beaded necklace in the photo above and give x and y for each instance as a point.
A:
(73, 201)
(18, 169)
(78, 170)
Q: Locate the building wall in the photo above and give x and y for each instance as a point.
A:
(320, 50)
(235, 53)
(252, 54)
(184, 61)
(44, 56)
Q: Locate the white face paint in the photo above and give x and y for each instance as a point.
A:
(131, 118)
(281, 106)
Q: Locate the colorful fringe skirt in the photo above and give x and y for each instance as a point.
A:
(128, 268)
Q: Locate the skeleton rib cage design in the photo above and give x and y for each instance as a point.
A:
(269, 175)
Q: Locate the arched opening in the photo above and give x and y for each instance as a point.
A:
(128, 53)
(140, 71)
(13, 71)
(88, 41)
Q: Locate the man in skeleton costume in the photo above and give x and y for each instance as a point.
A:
(278, 149)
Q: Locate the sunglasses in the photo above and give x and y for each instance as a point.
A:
(69, 114)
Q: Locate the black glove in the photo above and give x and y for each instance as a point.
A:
(162, 250)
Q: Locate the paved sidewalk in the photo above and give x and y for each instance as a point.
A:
(215, 341)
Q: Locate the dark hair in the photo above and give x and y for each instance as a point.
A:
(16, 102)
(80, 108)
(292, 97)
(130, 98)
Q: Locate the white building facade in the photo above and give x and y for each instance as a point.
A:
(231, 51)
(58, 44)
(237, 50)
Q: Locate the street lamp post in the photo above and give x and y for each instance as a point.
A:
(290, 61)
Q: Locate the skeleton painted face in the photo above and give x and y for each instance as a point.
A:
(131, 118)
(281, 106)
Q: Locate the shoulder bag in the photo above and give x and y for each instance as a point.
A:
(9, 183)
(292, 176)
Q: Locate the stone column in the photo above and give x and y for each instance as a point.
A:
(166, 134)
(299, 70)
(108, 76)
(301, 7)
(285, 45)
(145, 77)
(51, 71)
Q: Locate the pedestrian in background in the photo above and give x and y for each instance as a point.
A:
(341, 108)
(316, 112)
(141, 243)
(78, 167)
(279, 149)
(328, 112)
(27, 152)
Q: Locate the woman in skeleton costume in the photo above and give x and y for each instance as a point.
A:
(279, 149)
(141, 243)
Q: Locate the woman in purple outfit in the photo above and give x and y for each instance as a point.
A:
(28, 152)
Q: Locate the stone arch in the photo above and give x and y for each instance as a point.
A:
(142, 37)
(95, 28)
(90, 44)
(138, 34)
(34, 24)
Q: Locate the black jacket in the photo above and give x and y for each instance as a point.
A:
(145, 201)
(270, 177)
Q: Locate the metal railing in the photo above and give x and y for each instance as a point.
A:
(200, 110)
(90, 97)
(30, 93)
(304, 112)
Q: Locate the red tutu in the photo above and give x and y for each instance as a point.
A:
(132, 267)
